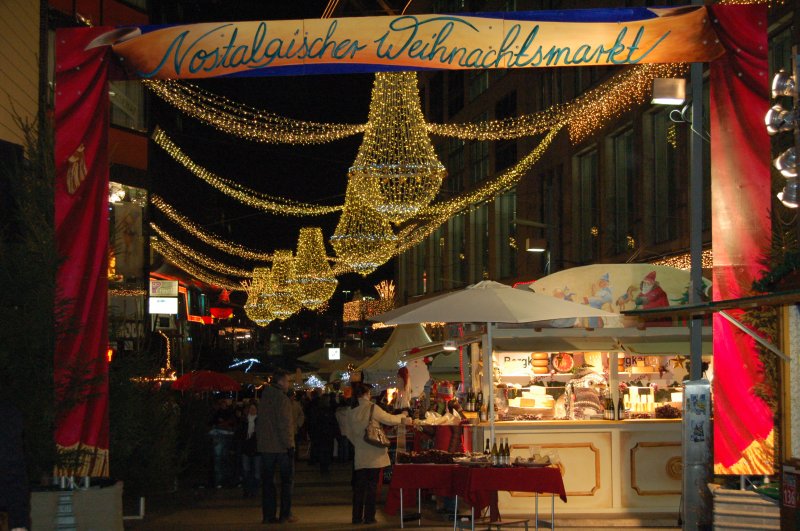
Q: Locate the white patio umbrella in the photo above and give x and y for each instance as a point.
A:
(489, 302)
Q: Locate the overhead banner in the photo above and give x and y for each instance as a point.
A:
(580, 37)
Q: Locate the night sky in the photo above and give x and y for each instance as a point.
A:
(316, 173)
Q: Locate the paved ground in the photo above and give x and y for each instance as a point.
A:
(319, 502)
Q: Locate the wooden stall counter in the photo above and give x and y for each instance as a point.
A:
(615, 467)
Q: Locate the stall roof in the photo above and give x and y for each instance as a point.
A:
(648, 341)
(403, 338)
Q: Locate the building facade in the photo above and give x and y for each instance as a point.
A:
(619, 195)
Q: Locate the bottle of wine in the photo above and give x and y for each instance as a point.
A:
(479, 399)
(488, 448)
(620, 409)
(507, 453)
(495, 455)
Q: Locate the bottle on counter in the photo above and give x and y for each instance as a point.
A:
(620, 409)
(495, 455)
(488, 448)
(479, 400)
(506, 453)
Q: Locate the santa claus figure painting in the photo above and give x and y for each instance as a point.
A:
(651, 295)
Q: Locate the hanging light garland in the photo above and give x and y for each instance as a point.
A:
(199, 257)
(283, 297)
(607, 100)
(199, 272)
(315, 282)
(206, 237)
(396, 161)
(248, 196)
(244, 121)
(363, 239)
(257, 308)
(621, 92)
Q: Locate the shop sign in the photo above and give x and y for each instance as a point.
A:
(163, 288)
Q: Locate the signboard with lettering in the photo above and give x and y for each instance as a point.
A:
(163, 288)
(334, 353)
(523, 39)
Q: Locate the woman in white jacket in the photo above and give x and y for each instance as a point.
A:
(369, 460)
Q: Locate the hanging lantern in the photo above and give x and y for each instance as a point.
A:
(396, 156)
(283, 300)
(315, 282)
(363, 239)
(259, 296)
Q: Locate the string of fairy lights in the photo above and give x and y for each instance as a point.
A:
(206, 237)
(243, 194)
(244, 121)
(193, 269)
(198, 257)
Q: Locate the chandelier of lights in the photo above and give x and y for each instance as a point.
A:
(396, 166)
(363, 239)
(283, 299)
(258, 308)
(314, 278)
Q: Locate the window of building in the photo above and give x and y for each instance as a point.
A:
(780, 51)
(454, 182)
(479, 156)
(438, 244)
(459, 259)
(664, 153)
(480, 242)
(477, 83)
(455, 92)
(420, 268)
(506, 212)
(587, 215)
(436, 98)
(505, 151)
(621, 200)
(127, 104)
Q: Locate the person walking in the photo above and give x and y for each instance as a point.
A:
(369, 460)
(248, 445)
(275, 440)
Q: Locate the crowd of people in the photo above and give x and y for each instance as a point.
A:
(256, 440)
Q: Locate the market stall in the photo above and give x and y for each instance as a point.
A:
(601, 396)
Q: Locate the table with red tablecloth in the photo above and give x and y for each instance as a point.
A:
(479, 486)
(476, 485)
(411, 477)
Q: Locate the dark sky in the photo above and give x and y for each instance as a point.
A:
(316, 173)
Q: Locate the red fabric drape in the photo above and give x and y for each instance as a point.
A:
(741, 228)
(81, 224)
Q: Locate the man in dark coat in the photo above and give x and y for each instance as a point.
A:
(14, 494)
(275, 438)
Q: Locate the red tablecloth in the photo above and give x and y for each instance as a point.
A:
(410, 477)
(477, 486)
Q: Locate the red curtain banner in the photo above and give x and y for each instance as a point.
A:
(741, 228)
(81, 224)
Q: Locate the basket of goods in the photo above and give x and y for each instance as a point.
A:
(535, 460)
(437, 457)
(668, 411)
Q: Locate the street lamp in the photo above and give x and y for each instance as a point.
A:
(539, 245)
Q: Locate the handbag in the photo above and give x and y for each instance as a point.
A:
(374, 434)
